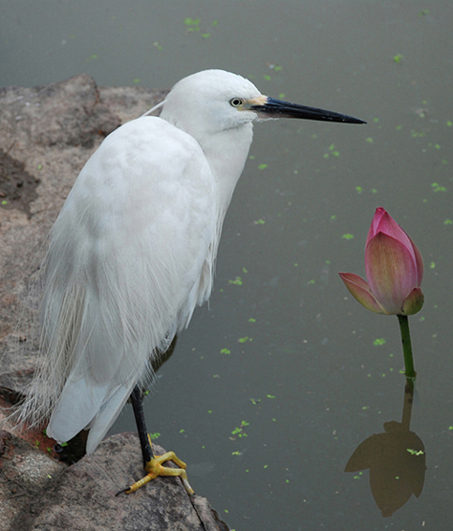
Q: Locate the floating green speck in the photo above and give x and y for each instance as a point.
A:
(415, 452)
(263, 166)
(225, 351)
(267, 77)
(359, 189)
(237, 281)
(245, 339)
(239, 431)
(436, 187)
(348, 236)
(252, 320)
(378, 342)
(157, 435)
(205, 35)
(271, 396)
(448, 222)
(432, 265)
(369, 140)
(259, 222)
(192, 22)
(397, 58)
(333, 151)
(4, 202)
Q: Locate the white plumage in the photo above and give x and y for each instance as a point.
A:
(132, 254)
(133, 250)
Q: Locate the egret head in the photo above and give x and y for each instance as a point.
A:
(208, 102)
(211, 101)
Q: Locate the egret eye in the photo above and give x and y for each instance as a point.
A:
(236, 102)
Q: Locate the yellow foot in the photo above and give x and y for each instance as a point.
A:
(154, 469)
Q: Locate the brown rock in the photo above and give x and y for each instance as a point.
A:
(39, 493)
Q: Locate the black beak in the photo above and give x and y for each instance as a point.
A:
(283, 109)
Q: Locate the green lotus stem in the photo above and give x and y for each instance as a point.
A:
(407, 347)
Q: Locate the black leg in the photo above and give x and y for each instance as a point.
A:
(137, 404)
(153, 465)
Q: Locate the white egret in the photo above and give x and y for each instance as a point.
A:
(133, 250)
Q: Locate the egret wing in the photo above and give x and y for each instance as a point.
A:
(131, 255)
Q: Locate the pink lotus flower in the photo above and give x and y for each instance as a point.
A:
(394, 269)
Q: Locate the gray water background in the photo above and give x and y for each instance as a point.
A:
(283, 352)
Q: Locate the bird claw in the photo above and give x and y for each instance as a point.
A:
(154, 469)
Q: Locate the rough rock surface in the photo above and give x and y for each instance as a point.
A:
(39, 493)
(46, 135)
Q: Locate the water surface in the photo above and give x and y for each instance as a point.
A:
(278, 381)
